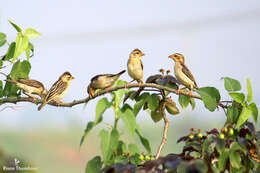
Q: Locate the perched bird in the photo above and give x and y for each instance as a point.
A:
(102, 81)
(135, 70)
(135, 65)
(58, 89)
(30, 86)
(182, 73)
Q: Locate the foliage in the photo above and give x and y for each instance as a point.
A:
(14, 56)
(234, 148)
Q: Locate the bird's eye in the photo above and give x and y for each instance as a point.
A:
(137, 53)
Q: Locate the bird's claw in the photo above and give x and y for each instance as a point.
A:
(34, 99)
(127, 85)
(178, 91)
(190, 94)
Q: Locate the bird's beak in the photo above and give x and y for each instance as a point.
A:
(172, 57)
(142, 54)
(72, 77)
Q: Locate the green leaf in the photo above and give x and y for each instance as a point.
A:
(140, 102)
(223, 160)
(31, 47)
(27, 53)
(2, 42)
(153, 102)
(108, 144)
(210, 96)
(236, 147)
(243, 117)
(20, 46)
(129, 120)
(118, 95)
(2, 39)
(121, 148)
(10, 52)
(10, 90)
(135, 159)
(19, 70)
(133, 149)
(94, 165)
(249, 91)
(208, 146)
(104, 143)
(143, 140)
(232, 114)
(113, 142)
(184, 101)
(18, 29)
(102, 105)
(89, 127)
(238, 97)
(254, 110)
(201, 165)
(1, 88)
(32, 33)
(138, 106)
(156, 115)
(1, 63)
(24, 69)
(235, 159)
(220, 144)
(2, 36)
(231, 84)
(193, 103)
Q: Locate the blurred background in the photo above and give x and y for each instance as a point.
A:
(218, 39)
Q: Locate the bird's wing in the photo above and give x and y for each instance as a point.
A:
(142, 65)
(31, 82)
(187, 72)
(100, 75)
(57, 88)
(107, 75)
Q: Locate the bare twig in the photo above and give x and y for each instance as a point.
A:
(81, 101)
(87, 99)
(165, 130)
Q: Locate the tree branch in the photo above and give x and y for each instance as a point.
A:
(85, 100)
(165, 130)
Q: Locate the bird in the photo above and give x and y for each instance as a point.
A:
(102, 81)
(58, 89)
(182, 73)
(135, 65)
(29, 87)
(135, 70)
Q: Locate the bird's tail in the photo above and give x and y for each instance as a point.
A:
(41, 106)
(196, 86)
(120, 73)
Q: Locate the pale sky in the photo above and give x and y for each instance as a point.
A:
(218, 39)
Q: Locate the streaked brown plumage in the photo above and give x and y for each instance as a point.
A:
(58, 89)
(102, 81)
(135, 65)
(182, 73)
(135, 69)
(30, 86)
